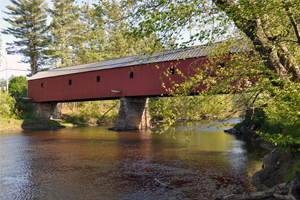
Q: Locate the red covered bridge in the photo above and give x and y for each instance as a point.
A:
(134, 77)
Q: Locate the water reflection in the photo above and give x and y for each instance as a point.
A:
(94, 163)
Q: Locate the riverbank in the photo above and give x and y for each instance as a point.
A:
(10, 124)
(278, 178)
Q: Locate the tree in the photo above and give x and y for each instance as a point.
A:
(113, 18)
(267, 29)
(7, 105)
(91, 37)
(18, 86)
(271, 26)
(28, 25)
(63, 27)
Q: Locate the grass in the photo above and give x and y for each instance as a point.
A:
(10, 124)
(67, 124)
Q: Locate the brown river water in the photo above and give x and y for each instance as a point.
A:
(95, 163)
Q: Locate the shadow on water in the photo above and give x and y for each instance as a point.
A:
(94, 163)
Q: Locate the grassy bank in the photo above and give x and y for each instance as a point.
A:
(10, 124)
(7, 124)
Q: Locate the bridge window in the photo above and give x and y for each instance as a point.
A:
(70, 81)
(42, 85)
(98, 78)
(172, 71)
(131, 75)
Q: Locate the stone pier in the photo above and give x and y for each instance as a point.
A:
(46, 110)
(133, 114)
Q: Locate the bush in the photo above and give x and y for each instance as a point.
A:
(278, 121)
(18, 86)
(7, 105)
(283, 117)
(24, 109)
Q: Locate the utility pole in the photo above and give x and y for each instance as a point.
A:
(6, 71)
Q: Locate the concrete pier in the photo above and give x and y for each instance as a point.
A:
(133, 114)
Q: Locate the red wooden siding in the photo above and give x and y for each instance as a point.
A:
(146, 82)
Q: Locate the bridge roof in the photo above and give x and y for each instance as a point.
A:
(169, 55)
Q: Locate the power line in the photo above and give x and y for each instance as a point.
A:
(13, 69)
(18, 69)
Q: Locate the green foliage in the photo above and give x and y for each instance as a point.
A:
(276, 114)
(91, 38)
(283, 116)
(96, 109)
(53, 124)
(74, 118)
(28, 20)
(190, 108)
(7, 105)
(94, 112)
(64, 26)
(24, 109)
(272, 28)
(18, 86)
(85, 34)
(172, 109)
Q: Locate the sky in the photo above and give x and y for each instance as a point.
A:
(13, 61)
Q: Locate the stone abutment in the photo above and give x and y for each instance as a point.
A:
(46, 110)
(133, 114)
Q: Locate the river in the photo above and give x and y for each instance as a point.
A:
(95, 163)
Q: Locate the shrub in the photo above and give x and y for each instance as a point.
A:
(283, 117)
(24, 109)
(18, 86)
(7, 105)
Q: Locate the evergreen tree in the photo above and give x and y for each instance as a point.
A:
(63, 27)
(92, 38)
(116, 24)
(28, 25)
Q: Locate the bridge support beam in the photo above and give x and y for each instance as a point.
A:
(46, 110)
(133, 114)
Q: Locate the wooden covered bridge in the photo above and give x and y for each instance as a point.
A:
(132, 78)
